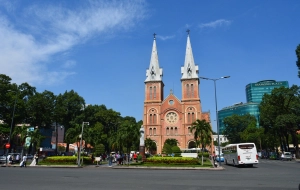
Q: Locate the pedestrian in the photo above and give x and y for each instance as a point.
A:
(135, 157)
(110, 160)
(33, 163)
(24, 160)
(18, 158)
(36, 156)
(9, 158)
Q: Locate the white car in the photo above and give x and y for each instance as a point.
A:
(287, 156)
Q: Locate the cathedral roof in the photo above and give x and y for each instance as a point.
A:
(154, 73)
(189, 70)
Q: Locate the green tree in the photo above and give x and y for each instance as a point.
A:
(99, 150)
(202, 134)
(172, 142)
(40, 108)
(235, 125)
(68, 107)
(22, 133)
(35, 140)
(167, 149)
(150, 145)
(298, 59)
(280, 115)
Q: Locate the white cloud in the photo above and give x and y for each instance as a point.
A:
(41, 31)
(69, 64)
(215, 24)
(165, 37)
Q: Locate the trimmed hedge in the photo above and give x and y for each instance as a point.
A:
(205, 154)
(64, 160)
(173, 160)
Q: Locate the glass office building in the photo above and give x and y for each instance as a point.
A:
(254, 95)
(255, 91)
(238, 109)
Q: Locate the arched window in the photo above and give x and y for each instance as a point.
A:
(172, 131)
(150, 131)
(176, 131)
(154, 131)
(192, 90)
(187, 90)
(168, 131)
(154, 92)
(189, 130)
(189, 117)
(193, 117)
(150, 92)
(154, 118)
(150, 119)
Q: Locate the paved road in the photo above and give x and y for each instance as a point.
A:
(278, 175)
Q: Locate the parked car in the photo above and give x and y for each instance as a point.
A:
(14, 158)
(286, 156)
(29, 156)
(221, 158)
(2, 159)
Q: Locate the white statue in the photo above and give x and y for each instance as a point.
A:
(142, 141)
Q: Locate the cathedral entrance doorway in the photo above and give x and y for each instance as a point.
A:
(192, 144)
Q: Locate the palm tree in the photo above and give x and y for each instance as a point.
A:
(35, 138)
(202, 134)
(23, 134)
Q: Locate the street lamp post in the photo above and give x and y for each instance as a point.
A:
(80, 144)
(11, 125)
(217, 118)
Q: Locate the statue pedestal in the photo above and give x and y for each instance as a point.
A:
(142, 153)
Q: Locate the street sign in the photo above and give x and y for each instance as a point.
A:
(7, 145)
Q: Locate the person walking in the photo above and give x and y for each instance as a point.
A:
(33, 163)
(110, 160)
(24, 160)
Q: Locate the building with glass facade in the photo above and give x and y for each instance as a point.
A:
(254, 95)
(238, 109)
(256, 91)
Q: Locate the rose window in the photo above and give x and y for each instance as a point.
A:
(171, 117)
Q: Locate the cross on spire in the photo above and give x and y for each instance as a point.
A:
(188, 31)
(154, 35)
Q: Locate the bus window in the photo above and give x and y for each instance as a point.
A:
(246, 146)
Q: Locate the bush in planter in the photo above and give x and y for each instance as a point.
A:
(64, 160)
(140, 157)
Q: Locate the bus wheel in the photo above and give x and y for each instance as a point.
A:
(250, 165)
(233, 163)
(226, 162)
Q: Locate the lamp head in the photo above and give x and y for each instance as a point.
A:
(225, 77)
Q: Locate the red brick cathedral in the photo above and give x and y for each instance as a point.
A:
(171, 117)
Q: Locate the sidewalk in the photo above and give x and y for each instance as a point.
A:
(114, 166)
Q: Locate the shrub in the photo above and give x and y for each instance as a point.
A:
(140, 157)
(173, 160)
(205, 154)
(64, 160)
(176, 150)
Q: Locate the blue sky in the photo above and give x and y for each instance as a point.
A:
(101, 49)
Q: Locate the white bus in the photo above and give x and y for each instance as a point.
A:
(240, 154)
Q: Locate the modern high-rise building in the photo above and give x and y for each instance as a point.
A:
(238, 109)
(254, 95)
(255, 91)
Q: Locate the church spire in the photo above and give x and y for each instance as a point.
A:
(189, 70)
(154, 73)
